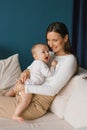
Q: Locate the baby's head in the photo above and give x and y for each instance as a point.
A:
(40, 51)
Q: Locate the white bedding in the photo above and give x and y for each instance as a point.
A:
(47, 122)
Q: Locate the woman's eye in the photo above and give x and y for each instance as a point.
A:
(55, 40)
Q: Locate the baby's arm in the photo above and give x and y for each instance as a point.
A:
(48, 71)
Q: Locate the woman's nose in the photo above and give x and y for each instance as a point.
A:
(50, 44)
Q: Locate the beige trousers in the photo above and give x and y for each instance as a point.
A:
(37, 108)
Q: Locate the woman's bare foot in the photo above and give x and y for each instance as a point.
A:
(20, 119)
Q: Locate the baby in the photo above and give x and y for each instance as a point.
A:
(39, 71)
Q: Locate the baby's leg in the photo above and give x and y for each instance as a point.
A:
(25, 101)
(12, 92)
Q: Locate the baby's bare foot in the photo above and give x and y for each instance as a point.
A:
(20, 119)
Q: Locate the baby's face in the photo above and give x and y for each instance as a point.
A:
(43, 53)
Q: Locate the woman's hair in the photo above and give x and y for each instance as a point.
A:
(60, 28)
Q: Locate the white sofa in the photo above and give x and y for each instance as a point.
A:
(68, 110)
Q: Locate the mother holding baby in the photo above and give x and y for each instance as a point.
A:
(57, 37)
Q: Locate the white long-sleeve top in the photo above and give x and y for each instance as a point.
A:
(65, 69)
(38, 72)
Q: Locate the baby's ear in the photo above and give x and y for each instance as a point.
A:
(35, 57)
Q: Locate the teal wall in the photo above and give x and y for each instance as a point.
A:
(24, 22)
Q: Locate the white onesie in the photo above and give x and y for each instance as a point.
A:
(38, 72)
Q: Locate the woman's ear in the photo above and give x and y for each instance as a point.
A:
(66, 38)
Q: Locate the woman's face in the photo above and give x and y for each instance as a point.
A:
(56, 42)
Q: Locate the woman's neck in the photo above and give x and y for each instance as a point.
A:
(61, 53)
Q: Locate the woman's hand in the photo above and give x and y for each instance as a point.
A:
(53, 63)
(24, 75)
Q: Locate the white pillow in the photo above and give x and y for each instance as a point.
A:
(83, 73)
(76, 109)
(9, 71)
(60, 102)
(58, 106)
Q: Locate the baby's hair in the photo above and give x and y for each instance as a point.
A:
(34, 47)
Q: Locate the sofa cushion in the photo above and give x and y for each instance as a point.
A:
(60, 102)
(9, 71)
(76, 108)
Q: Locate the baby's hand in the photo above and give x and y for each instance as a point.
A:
(53, 63)
(18, 81)
(20, 87)
(24, 75)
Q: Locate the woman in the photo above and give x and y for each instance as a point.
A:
(57, 37)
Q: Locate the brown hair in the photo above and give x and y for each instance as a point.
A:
(60, 28)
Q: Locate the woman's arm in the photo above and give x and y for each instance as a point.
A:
(55, 83)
